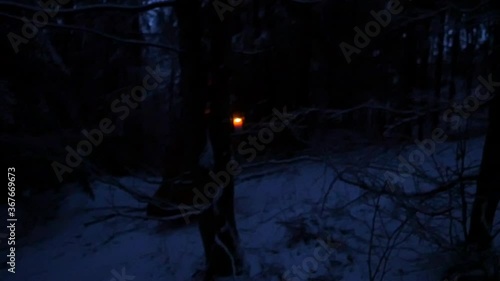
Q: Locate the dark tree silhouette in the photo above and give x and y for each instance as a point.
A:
(488, 192)
(217, 223)
(217, 220)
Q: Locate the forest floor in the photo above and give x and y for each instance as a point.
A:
(287, 211)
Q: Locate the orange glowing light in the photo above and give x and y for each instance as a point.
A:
(237, 122)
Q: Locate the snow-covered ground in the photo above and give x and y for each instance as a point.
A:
(284, 220)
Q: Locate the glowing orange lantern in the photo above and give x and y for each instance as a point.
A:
(237, 122)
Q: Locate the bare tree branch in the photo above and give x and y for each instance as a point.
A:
(91, 8)
(102, 34)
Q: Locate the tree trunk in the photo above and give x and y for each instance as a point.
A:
(488, 192)
(455, 53)
(182, 155)
(439, 71)
(217, 223)
(304, 13)
(191, 127)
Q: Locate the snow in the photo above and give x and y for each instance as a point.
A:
(281, 219)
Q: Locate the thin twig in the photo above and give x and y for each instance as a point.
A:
(90, 8)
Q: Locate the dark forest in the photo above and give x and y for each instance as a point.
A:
(267, 140)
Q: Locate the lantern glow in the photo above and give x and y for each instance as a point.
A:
(237, 122)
